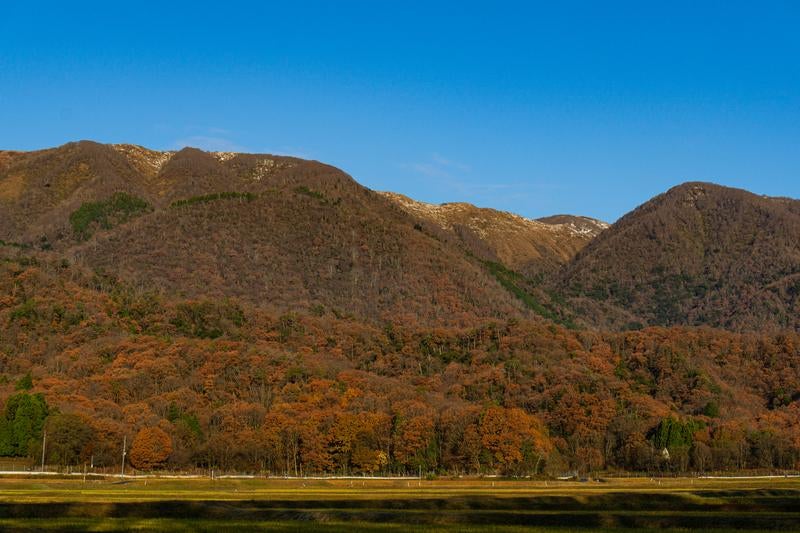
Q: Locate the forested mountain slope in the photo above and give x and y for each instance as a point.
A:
(289, 234)
(264, 313)
(279, 232)
(699, 254)
(534, 248)
(235, 387)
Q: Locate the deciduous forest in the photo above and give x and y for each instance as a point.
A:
(258, 313)
(220, 384)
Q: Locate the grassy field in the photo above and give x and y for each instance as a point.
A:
(395, 505)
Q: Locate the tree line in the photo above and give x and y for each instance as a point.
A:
(218, 384)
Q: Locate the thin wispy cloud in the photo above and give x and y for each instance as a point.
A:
(439, 166)
(430, 170)
(444, 162)
(459, 182)
(220, 131)
(456, 176)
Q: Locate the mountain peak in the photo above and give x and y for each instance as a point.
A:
(529, 246)
(699, 253)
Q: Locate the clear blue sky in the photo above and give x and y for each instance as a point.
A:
(537, 108)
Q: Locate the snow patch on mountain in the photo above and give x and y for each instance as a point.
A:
(482, 220)
(144, 158)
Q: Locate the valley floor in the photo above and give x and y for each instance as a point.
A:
(399, 505)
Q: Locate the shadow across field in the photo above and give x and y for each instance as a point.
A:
(756, 510)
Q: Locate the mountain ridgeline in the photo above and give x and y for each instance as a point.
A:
(700, 255)
(260, 313)
(277, 232)
(288, 234)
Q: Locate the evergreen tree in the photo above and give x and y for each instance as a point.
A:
(25, 382)
(22, 423)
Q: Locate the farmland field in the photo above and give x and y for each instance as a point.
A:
(398, 505)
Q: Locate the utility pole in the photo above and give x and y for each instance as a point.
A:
(124, 453)
(44, 443)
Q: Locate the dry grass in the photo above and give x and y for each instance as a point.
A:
(339, 505)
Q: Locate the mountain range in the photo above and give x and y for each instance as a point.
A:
(288, 234)
(270, 314)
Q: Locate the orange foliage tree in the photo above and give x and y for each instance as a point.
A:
(513, 438)
(150, 449)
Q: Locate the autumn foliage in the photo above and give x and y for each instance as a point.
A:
(513, 439)
(150, 448)
(302, 394)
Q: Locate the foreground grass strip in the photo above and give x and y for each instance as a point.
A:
(407, 513)
(188, 525)
(381, 505)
